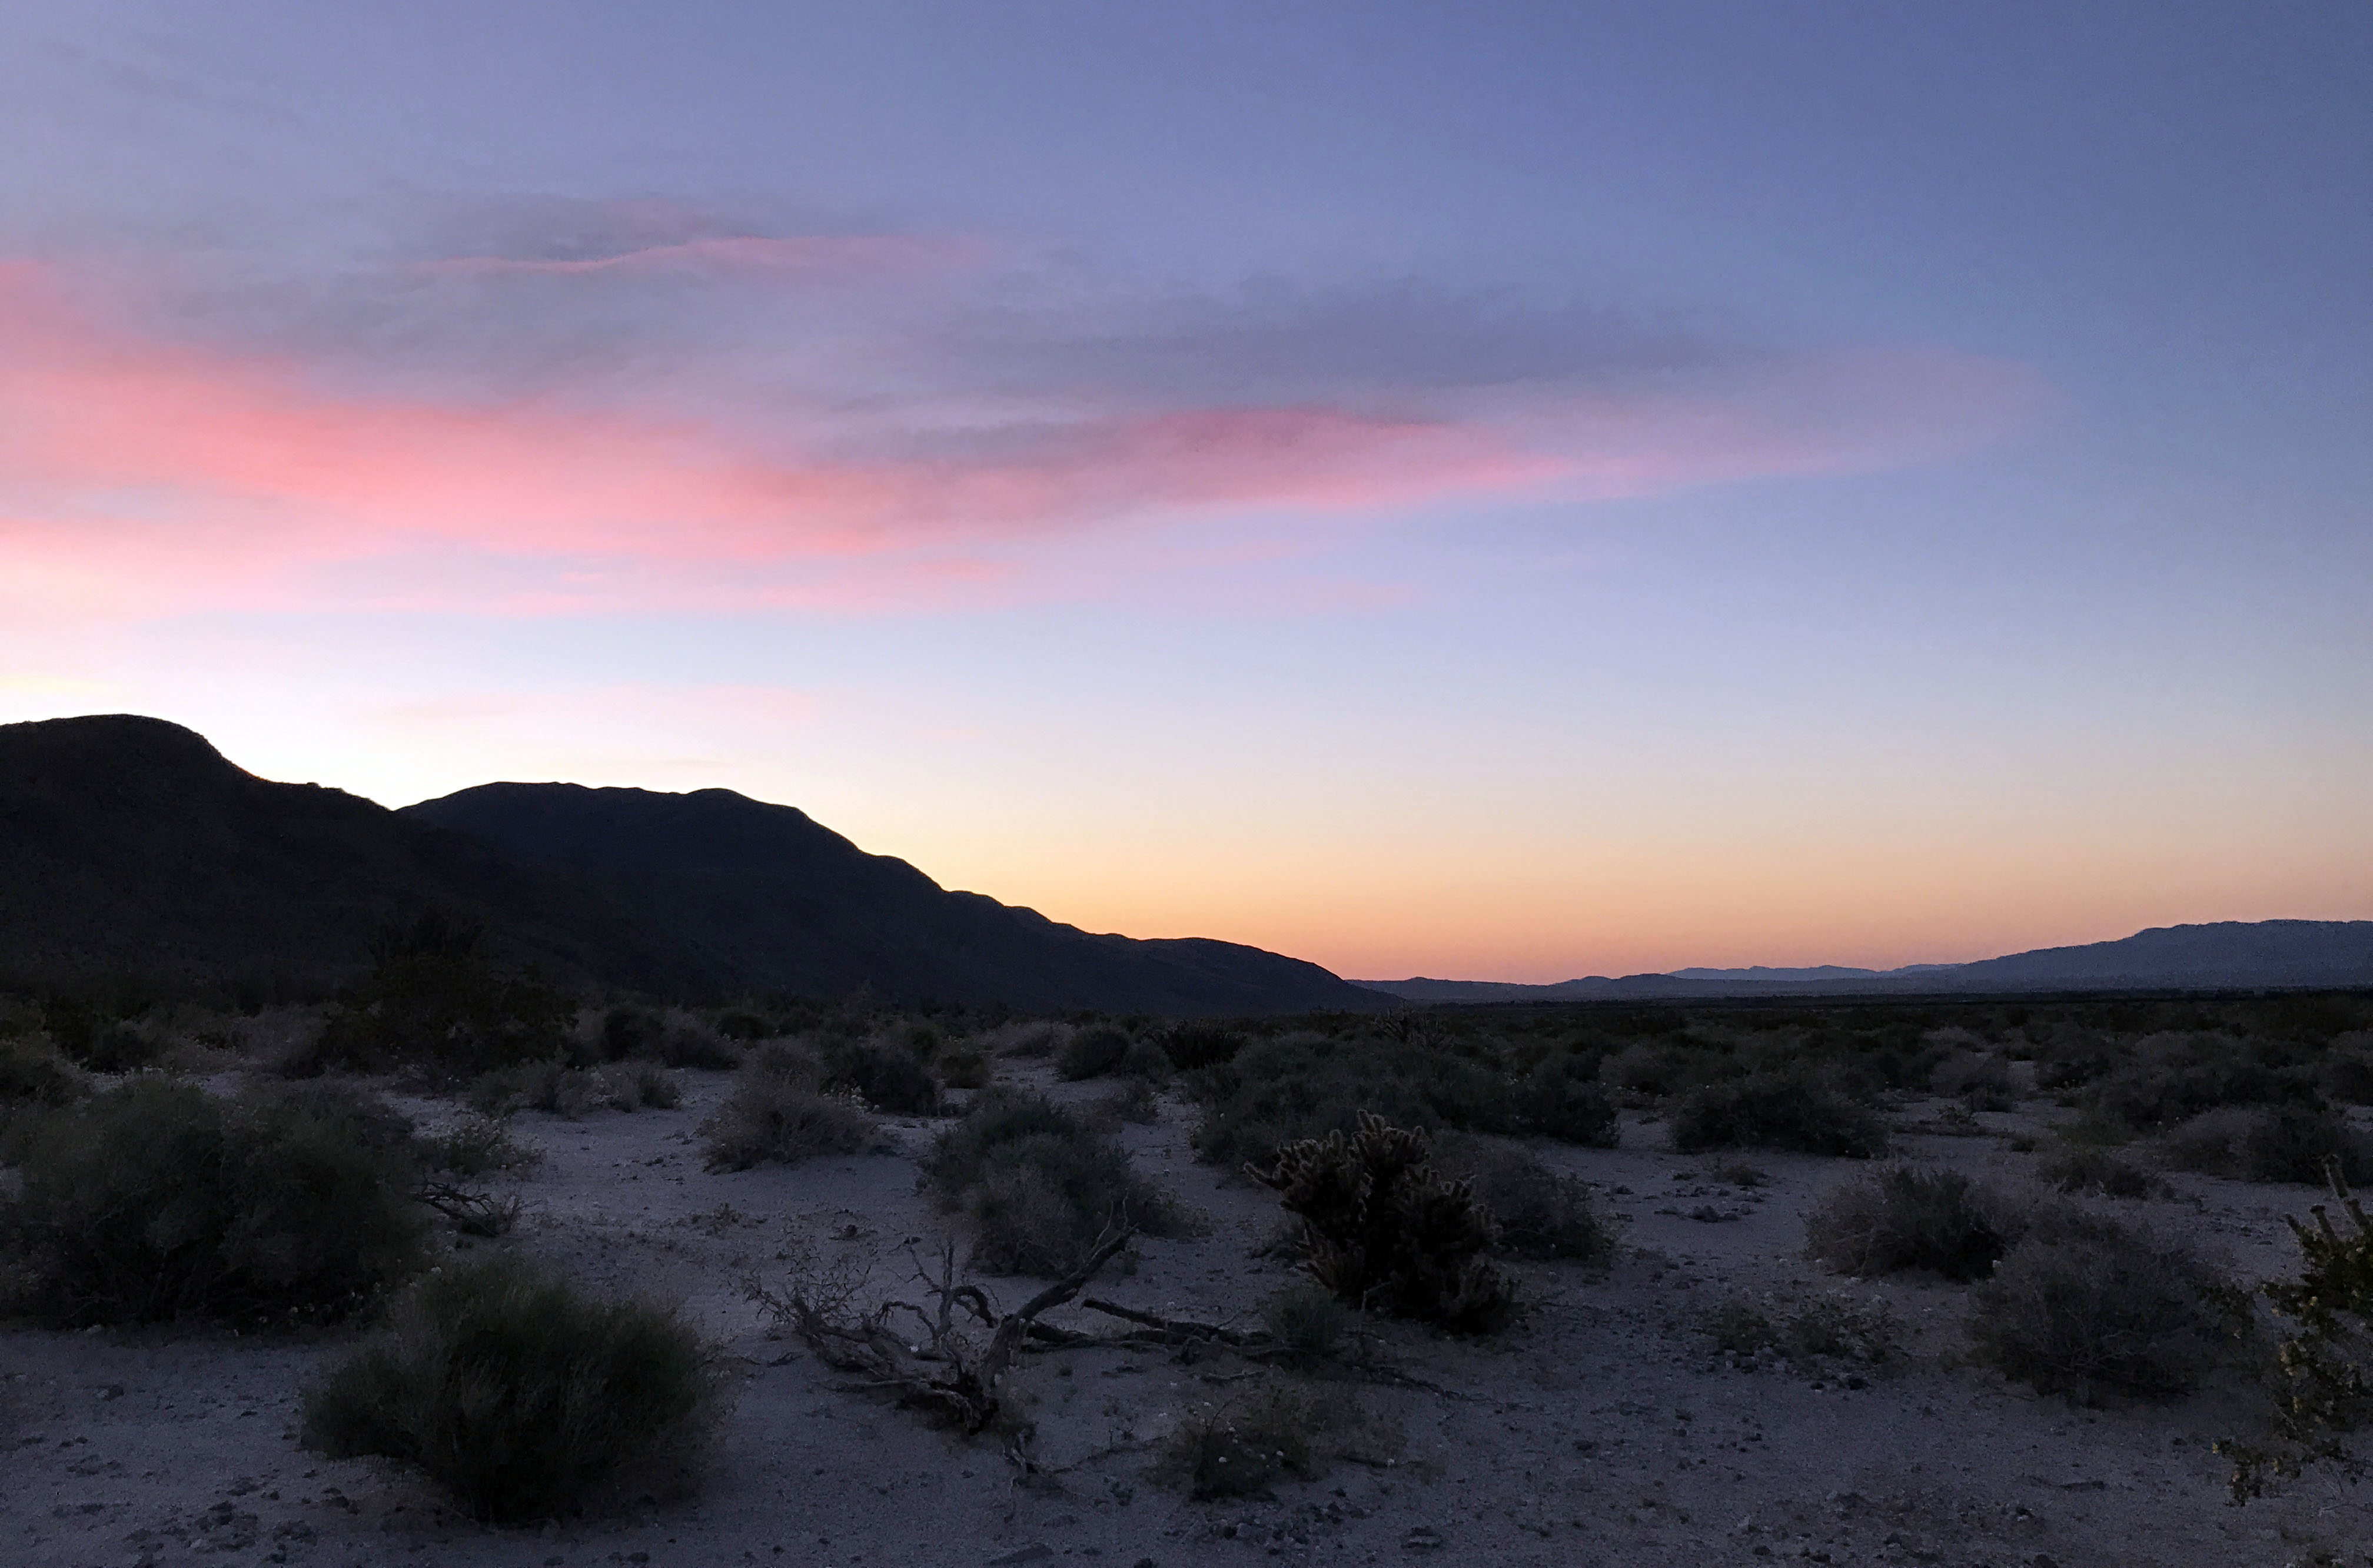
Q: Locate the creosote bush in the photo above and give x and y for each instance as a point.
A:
(1910, 1217)
(1091, 1053)
(1792, 1109)
(157, 1202)
(886, 1073)
(2085, 1306)
(2085, 1171)
(518, 1391)
(2293, 1141)
(1040, 1185)
(1540, 1212)
(1307, 1321)
(778, 1114)
(1384, 1232)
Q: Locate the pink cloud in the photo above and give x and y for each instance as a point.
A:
(142, 472)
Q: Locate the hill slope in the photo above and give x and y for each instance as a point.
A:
(769, 896)
(131, 849)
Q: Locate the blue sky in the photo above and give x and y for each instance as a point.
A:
(1505, 491)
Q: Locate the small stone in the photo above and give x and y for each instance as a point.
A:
(1037, 1550)
(1424, 1538)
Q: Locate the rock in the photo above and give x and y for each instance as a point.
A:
(1036, 1551)
(1424, 1538)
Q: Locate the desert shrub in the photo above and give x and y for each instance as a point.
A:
(1029, 1039)
(1384, 1232)
(962, 1066)
(1831, 1325)
(1306, 1320)
(32, 1075)
(1195, 1045)
(1091, 1053)
(2085, 1306)
(573, 1091)
(478, 1145)
(1561, 1098)
(1540, 1212)
(1786, 1109)
(434, 996)
(2287, 1142)
(517, 1391)
(2097, 1172)
(1133, 1101)
(1240, 1448)
(776, 1114)
(1297, 1087)
(2346, 1073)
(1910, 1217)
(630, 1031)
(157, 1201)
(1653, 1069)
(1040, 1185)
(744, 1025)
(1144, 1060)
(885, 1073)
(1738, 1172)
(1980, 1079)
(121, 1047)
(656, 1089)
(2322, 1374)
(2173, 1077)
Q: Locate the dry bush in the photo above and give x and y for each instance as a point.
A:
(883, 1072)
(1040, 1185)
(1561, 1098)
(1980, 1079)
(31, 1073)
(1194, 1045)
(1831, 1326)
(1296, 1087)
(1385, 1234)
(1241, 1447)
(1795, 1109)
(2084, 1171)
(519, 1392)
(775, 1114)
(157, 1202)
(962, 1065)
(1908, 1217)
(1134, 1101)
(2085, 1306)
(1540, 1212)
(478, 1145)
(1307, 1322)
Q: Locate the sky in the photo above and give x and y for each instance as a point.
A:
(1497, 491)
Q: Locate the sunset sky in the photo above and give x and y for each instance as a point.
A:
(1503, 491)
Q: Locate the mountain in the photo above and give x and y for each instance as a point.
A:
(130, 849)
(2239, 954)
(777, 901)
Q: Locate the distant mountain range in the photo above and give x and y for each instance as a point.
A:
(2227, 954)
(131, 850)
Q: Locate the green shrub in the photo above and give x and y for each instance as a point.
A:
(1385, 1234)
(157, 1202)
(776, 1114)
(2172, 1077)
(2085, 1306)
(1905, 1217)
(886, 1074)
(1091, 1053)
(1040, 1186)
(2287, 1142)
(1561, 1098)
(962, 1067)
(1192, 1046)
(1540, 1213)
(1297, 1087)
(32, 1075)
(433, 997)
(517, 1391)
(1787, 1109)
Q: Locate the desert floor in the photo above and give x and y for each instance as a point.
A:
(1604, 1429)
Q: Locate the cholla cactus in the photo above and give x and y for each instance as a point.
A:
(2323, 1367)
(1383, 1231)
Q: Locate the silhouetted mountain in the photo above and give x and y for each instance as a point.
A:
(2235, 955)
(131, 850)
(766, 896)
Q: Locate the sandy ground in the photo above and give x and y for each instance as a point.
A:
(1605, 1430)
